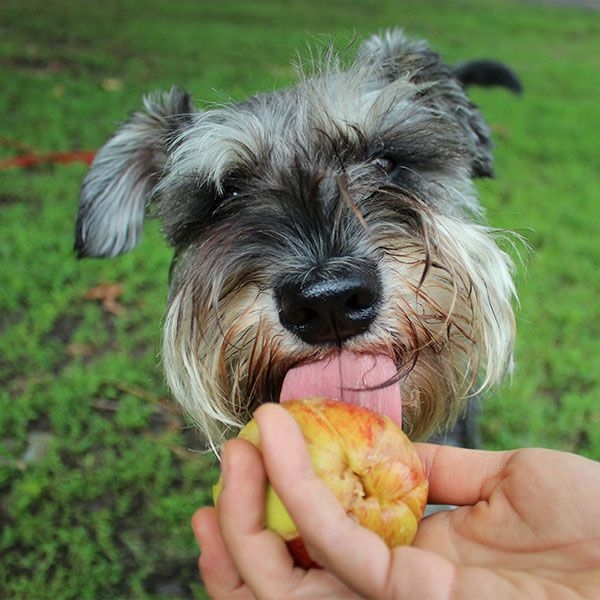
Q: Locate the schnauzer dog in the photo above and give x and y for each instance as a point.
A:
(328, 239)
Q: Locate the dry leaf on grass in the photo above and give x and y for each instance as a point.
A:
(107, 294)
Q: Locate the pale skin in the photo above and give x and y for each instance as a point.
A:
(528, 526)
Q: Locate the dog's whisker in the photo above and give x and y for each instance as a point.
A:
(342, 181)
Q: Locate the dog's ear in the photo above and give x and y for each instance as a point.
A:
(116, 190)
(401, 57)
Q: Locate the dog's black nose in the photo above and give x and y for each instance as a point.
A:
(330, 306)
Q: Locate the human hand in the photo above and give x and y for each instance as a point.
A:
(528, 524)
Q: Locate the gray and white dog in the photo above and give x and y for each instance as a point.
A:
(328, 239)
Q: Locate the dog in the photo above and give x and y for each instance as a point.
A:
(328, 239)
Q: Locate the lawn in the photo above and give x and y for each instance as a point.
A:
(99, 473)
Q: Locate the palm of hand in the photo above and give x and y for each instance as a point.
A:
(516, 537)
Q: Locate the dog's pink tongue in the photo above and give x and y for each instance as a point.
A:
(351, 377)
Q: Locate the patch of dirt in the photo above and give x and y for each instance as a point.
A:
(8, 199)
(63, 328)
(37, 65)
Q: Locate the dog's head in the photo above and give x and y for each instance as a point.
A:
(327, 240)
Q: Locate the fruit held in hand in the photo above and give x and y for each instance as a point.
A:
(365, 459)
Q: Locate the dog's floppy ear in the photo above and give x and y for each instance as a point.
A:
(116, 190)
(443, 90)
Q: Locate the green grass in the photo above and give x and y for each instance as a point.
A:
(96, 480)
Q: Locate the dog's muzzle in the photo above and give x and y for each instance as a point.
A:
(327, 306)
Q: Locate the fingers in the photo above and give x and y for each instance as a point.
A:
(240, 558)
(460, 476)
(237, 553)
(218, 571)
(244, 557)
(357, 556)
(261, 556)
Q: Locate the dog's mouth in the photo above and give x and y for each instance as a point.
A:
(369, 380)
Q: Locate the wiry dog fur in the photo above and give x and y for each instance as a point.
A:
(364, 168)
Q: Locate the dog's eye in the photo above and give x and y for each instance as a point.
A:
(226, 198)
(385, 164)
(230, 190)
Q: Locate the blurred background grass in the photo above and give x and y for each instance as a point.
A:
(98, 476)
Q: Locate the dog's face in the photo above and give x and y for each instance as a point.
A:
(327, 240)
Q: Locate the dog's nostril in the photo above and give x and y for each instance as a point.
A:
(294, 312)
(326, 307)
(363, 298)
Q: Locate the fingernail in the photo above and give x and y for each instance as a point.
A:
(224, 464)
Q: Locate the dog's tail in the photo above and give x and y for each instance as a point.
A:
(487, 73)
